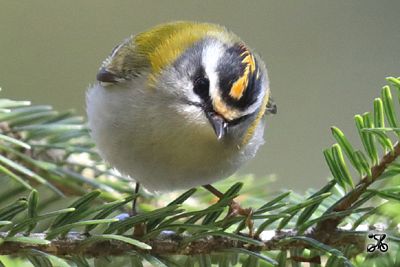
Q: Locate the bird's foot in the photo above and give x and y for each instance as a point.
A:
(139, 230)
(235, 209)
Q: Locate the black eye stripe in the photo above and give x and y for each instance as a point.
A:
(201, 85)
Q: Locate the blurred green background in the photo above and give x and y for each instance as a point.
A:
(327, 61)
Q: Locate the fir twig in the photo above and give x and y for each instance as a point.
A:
(173, 244)
(351, 197)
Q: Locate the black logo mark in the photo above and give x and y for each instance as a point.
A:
(380, 245)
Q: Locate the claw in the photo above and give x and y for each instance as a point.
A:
(139, 230)
(235, 209)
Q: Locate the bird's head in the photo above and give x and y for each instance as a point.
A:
(213, 76)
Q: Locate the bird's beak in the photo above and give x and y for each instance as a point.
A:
(218, 123)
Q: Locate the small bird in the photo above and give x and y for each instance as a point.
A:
(180, 105)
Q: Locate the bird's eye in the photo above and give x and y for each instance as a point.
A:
(201, 87)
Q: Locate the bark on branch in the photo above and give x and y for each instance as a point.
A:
(174, 244)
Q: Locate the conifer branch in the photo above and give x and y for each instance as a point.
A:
(175, 244)
(351, 197)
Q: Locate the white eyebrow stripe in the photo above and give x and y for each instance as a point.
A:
(115, 50)
(212, 52)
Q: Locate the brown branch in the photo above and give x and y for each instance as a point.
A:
(173, 244)
(351, 197)
(316, 259)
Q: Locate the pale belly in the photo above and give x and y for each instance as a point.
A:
(156, 145)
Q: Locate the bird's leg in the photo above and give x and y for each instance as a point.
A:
(134, 211)
(214, 190)
(140, 229)
(234, 208)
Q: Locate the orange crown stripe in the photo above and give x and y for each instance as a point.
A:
(240, 85)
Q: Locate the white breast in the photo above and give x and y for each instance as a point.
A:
(147, 136)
